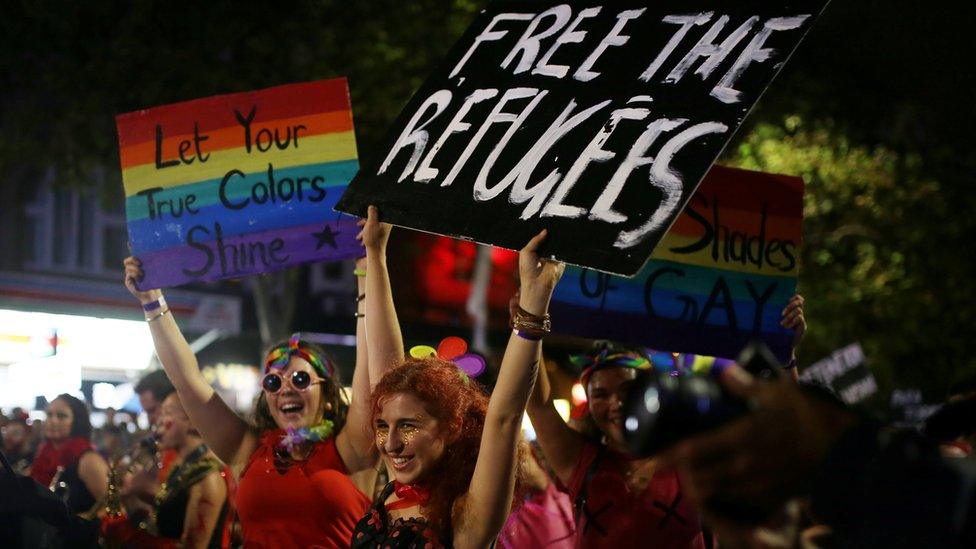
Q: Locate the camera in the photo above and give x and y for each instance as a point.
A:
(661, 409)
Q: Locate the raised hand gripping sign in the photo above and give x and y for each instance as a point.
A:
(719, 279)
(239, 184)
(596, 121)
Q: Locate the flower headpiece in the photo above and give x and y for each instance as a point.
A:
(605, 359)
(453, 349)
(279, 356)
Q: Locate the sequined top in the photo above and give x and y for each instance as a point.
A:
(377, 530)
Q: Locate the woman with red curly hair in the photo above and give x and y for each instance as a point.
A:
(452, 452)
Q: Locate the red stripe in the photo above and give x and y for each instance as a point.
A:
(87, 300)
(738, 190)
(214, 113)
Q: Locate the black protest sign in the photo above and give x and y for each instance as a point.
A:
(845, 372)
(596, 121)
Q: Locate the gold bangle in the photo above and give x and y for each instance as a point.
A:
(157, 315)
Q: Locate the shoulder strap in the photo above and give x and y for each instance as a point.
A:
(580, 502)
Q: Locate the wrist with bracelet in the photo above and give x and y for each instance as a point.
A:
(155, 309)
(529, 326)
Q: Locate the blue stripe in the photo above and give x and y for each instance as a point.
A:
(149, 235)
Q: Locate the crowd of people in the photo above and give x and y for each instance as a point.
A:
(419, 454)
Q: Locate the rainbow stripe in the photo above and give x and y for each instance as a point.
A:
(253, 168)
(702, 301)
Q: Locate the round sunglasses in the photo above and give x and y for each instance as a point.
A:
(300, 380)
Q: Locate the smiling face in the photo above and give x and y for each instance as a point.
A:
(408, 437)
(173, 425)
(59, 420)
(291, 408)
(606, 392)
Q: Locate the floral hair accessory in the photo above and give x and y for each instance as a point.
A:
(279, 356)
(453, 349)
(605, 359)
(296, 437)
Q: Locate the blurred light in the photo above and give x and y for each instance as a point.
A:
(578, 393)
(563, 407)
(528, 431)
(651, 400)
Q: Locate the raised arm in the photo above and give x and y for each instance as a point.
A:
(489, 496)
(222, 429)
(559, 442)
(374, 315)
(384, 341)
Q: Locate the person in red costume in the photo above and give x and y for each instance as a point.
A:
(620, 501)
(305, 465)
(66, 460)
(453, 452)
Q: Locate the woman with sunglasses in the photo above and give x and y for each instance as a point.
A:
(298, 464)
(452, 451)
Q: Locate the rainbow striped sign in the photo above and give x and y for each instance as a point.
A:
(239, 184)
(720, 277)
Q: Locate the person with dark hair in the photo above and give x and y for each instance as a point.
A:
(152, 389)
(298, 464)
(453, 452)
(16, 436)
(66, 460)
(193, 507)
(619, 501)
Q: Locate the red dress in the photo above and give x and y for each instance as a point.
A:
(310, 503)
(615, 517)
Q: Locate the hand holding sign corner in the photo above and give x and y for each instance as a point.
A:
(597, 123)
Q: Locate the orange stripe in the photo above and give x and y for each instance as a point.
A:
(233, 137)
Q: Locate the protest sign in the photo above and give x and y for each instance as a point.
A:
(845, 372)
(239, 184)
(595, 121)
(909, 410)
(720, 277)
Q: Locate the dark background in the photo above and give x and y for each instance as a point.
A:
(874, 111)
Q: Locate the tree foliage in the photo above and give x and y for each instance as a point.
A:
(875, 224)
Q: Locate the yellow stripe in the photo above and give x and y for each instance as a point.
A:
(313, 150)
(703, 258)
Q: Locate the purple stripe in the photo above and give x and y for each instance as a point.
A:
(292, 246)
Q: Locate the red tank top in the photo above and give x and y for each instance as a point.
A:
(311, 503)
(612, 516)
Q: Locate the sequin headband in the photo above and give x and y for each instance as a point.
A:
(603, 359)
(279, 357)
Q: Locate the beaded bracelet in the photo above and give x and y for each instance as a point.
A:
(524, 320)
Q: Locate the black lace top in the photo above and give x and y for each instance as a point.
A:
(377, 530)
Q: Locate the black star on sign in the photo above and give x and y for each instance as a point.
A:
(326, 236)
